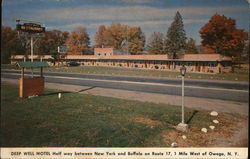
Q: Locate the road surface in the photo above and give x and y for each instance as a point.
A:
(222, 90)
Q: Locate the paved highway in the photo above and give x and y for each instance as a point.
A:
(232, 91)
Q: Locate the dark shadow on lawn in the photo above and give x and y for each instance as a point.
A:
(47, 94)
(189, 120)
(64, 92)
(86, 89)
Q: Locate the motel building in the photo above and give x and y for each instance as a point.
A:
(206, 63)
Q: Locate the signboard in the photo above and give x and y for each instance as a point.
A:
(30, 27)
(62, 49)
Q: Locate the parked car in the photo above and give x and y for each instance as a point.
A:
(72, 63)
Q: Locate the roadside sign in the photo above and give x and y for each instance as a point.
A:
(62, 49)
(30, 28)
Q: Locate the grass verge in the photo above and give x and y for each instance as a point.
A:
(82, 120)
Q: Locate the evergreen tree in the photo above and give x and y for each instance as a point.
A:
(191, 48)
(155, 44)
(176, 36)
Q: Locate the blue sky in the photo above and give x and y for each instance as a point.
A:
(150, 15)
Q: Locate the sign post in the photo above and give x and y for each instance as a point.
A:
(30, 29)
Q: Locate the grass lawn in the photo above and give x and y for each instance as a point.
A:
(86, 120)
(83, 120)
(141, 72)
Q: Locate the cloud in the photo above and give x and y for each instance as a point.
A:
(136, 12)
(137, 1)
(144, 24)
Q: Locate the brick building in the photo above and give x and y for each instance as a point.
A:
(109, 52)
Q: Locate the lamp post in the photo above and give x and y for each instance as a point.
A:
(182, 126)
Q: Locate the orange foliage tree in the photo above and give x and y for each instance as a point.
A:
(99, 36)
(221, 36)
(121, 37)
(78, 41)
(10, 44)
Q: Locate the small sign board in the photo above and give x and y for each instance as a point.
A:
(30, 28)
(62, 49)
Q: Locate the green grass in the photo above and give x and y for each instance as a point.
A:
(87, 121)
(148, 73)
(142, 72)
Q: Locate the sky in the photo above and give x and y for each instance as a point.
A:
(150, 15)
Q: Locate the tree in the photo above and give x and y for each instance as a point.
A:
(99, 36)
(121, 37)
(191, 48)
(246, 52)
(115, 35)
(78, 41)
(10, 44)
(155, 44)
(176, 36)
(49, 43)
(136, 40)
(221, 36)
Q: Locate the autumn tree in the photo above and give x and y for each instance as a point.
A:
(191, 48)
(49, 43)
(121, 37)
(115, 35)
(10, 44)
(176, 36)
(78, 41)
(136, 40)
(99, 36)
(155, 44)
(221, 36)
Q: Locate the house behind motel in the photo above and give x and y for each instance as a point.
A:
(109, 52)
(209, 63)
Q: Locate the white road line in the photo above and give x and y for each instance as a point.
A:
(141, 83)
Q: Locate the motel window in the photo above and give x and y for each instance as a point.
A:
(181, 63)
(212, 65)
(225, 64)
